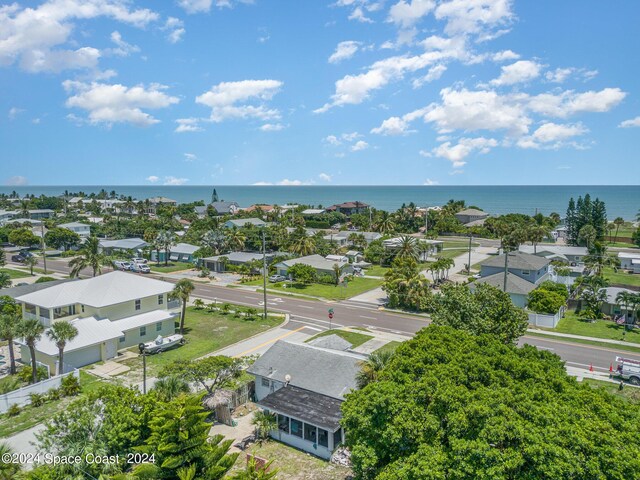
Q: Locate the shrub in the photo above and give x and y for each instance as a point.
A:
(225, 308)
(70, 386)
(54, 394)
(326, 279)
(13, 410)
(25, 374)
(44, 279)
(9, 385)
(37, 399)
(211, 307)
(198, 304)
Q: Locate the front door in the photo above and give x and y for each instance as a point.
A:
(110, 349)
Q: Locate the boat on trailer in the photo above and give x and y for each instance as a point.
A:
(160, 344)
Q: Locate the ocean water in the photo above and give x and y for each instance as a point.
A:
(621, 201)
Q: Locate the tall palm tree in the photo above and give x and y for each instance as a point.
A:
(31, 331)
(536, 234)
(62, 332)
(236, 239)
(215, 240)
(625, 299)
(90, 257)
(336, 273)
(618, 222)
(371, 368)
(170, 387)
(611, 227)
(385, 223)
(165, 240)
(183, 290)
(31, 262)
(9, 330)
(8, 470)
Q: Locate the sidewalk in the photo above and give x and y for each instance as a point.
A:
(580, 337)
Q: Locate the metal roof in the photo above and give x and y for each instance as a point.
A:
(241, 222)
(15, 292)
(517, 260)
(515, 284)
(558, 249)
(124, 243)
(74, 225)
(108, 289)
(320, 370)
(310, 407)
(316, 261)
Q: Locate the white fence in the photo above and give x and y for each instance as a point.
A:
(21, 397)
(545, 320)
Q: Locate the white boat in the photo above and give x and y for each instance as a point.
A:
(161, 343)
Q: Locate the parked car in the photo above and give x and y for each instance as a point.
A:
(140, 268)
(120, 265)
(139, 260)
(20, 258)
(277, 278)
(628, 369)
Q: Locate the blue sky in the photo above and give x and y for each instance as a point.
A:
(306, 92)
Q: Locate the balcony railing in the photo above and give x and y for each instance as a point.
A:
(44, 320)
(174, 304)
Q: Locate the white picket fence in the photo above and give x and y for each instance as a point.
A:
(21, 396)
(545, 320)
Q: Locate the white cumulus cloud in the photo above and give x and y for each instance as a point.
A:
(520, 71)
(16, 181)
(108, 104)
(406, 14)
(272, 127)
(465, 146)
(152, 178)
(175, 180)
(359, 145)
(633, 122)
(344, 51)
(325, 177)
(232, 100)
(392, 126)
(188, 125)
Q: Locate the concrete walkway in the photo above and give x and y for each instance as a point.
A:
(580, 337)
(478, 254)
(24, 441)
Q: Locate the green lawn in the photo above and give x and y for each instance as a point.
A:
(171, 267)
(354, 338)
(206, 332)
(459, 244)
(15, 273)
(621, 278)
(31, 416)
(629, 393)
(355, 286)
(293, 464)
(573, 324)
(391, 346)
(452, 253)
(627, 348)
(376, 271)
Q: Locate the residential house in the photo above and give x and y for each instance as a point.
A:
(321, 265)
(82, 229)
(259, 208)
(432, 246)
(304, 386)
(313, 211)
(471, 216)
(112, 311)
(224, 208)
(629, 261)
(156, 202)
(6, 215)
(309, 232)
(525, 273)
(341, 238)
(218, 263)
(349, 208)
(563, 253)
(135, 245)
(614, 309)
(181, 252)
(41, 214)
(354, 256)
(241, 222)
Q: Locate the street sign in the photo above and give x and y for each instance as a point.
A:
(331, 311)
(330, 315)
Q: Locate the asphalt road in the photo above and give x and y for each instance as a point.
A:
(349, 313)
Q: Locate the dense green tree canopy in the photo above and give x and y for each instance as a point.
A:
(450, 405)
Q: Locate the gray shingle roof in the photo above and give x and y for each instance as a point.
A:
(241, 222)
(518, 260)
(316, 261)
(515, 284)
(332, 342)
(328, 372)
(559, 249)
(472, 212)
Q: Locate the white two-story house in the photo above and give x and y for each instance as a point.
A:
(112, 311)
(82, 229)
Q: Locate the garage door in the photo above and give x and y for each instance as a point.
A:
(82, 357)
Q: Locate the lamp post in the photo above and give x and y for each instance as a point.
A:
(264, 272)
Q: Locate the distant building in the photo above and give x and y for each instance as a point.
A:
(241, 222)
(320, 264)
(41, 214)
(612, 308)
(305, 385)
(562, 253)
(157, 202)
(135, 245)
(629, 261)
(349, 208)
(224, 208)
(471, 215)
(181, 252)
(6, 215)
(81, 229)
(218, 263)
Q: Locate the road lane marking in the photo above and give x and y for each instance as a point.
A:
(305, 306)
(368, 318)
(269, 341)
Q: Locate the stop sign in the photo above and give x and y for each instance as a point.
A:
(331, 315)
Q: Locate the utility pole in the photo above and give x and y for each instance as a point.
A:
(506, 267)
(44, 248)
(264, 271)
(426, 220)
(469, 264)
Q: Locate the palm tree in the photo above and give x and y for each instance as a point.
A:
(407, 248)
(31, 262)
(385, 223)
(618, 222)
(371, 368)
(536, 234)
(60, 333)
(9, 330)
(183, 290)
(8, 470)
(90, 257)
(31, 331)
(611, 227)
(336, 272)
(165, 240)
(236, 239)
(170, 387)
(303, 246)
(264, 422)
(215, 240)
(625, 299)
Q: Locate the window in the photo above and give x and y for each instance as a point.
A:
(64, 311)
(526, 272)
(265, 382)
(283, 423)
(323, 438)
(337, 438)
(44, 312)
(296, 427)
(160, 299)
(138, 304)
(122, 339)
(143, 331)
(82, 307)
(158, 326)
(28, 308)
(310, 432)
